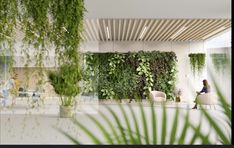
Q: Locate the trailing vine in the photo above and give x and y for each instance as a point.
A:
(144, 70)
(8, 16)
(44, 24)
(197, 62)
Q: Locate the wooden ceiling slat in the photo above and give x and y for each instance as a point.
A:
(212, 29)
(89, 36)
(184, 24)
(129, 27)
(119, 30)
(110, 30)
(143, 26)
(92, 29)
(104, 30)
(156, 29)
(191, 29)
(96, 29)
(173, 29)
(138, 30)
(149, 26)
(114, 29)
(166, 30)
(203, 29)
(124, 29)
(160, 30)
(99, 30)
(153, 28)
(133, 29)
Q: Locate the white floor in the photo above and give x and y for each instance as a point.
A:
(37, 126)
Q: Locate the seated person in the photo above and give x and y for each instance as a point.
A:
(205, 89)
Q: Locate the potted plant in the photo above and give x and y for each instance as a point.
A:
(178, 94)
(65, 83)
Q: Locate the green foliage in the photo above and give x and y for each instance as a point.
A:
(121, 75)
(123, 133)
(197, 62)
(65, 83)
(8, 16)
(220, 61)
(144, 70)
(45, 24)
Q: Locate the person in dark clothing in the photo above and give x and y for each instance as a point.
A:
(205, 89)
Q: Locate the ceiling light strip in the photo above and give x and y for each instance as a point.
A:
(143, 32)
(108, 33)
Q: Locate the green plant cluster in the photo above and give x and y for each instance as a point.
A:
(44, 24)
(65, 83)
(125, 75)
(126, 127)
(220, 61)
(197, 62)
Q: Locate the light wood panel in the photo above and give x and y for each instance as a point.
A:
(157, 29)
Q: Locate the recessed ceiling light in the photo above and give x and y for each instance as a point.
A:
(182, 29)
(214, 32)
(143, 32)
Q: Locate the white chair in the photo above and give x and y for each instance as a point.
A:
(158, 96)
(207, 99)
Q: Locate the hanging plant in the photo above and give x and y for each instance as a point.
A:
(197, 62)
(220, 61)
(8, 16)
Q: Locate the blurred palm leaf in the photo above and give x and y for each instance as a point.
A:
(130, 130)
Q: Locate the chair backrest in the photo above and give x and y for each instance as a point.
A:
(158, 94)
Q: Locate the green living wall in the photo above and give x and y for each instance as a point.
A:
(129, 75)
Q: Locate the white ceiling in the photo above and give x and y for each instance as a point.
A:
(159, 9)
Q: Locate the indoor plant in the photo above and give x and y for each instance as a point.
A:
(197, 62)
(178, 94)
(65, 83)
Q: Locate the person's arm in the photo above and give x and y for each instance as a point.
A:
(204, 90)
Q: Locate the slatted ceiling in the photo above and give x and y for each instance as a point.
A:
(189, 31)
(168, 24)
(157, 29)
(161, 31)
(144, 24)
(190, 24)
(167, 30)
(138, 31)
(132, 30)
(217, 26)
(92, 32)
(205, 28)
(172, 30)
(197, 30)
(209, 25)
(150, 29)
(95, 26)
